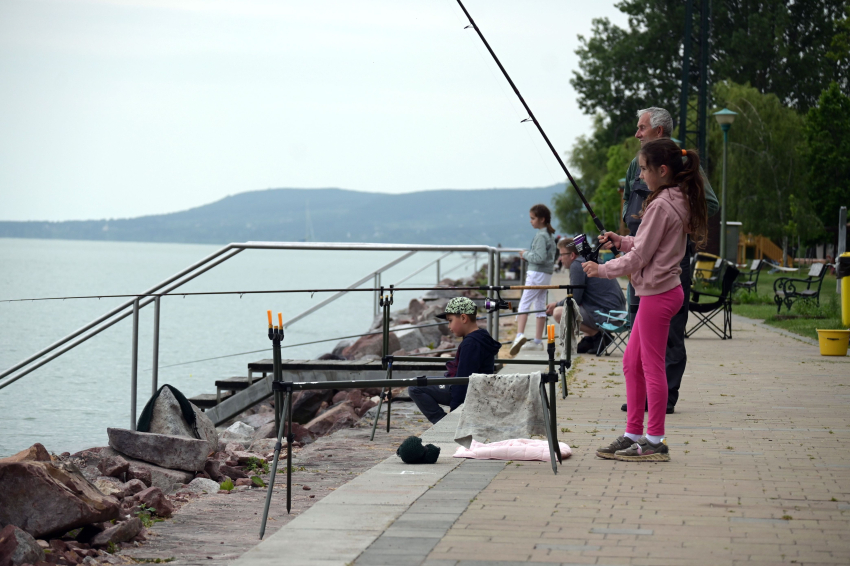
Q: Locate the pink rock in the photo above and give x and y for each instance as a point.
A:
(141, 473)
(232, 473)
(341, 396)
(355, 398)
(243, 457)
(213, 469)
(370, 345)
(367, 404)
(153, 497)
(120, 532)
(341, 416)
(133, 487)
(35, 453)
(18, 547)
(114, 467)
(243, 481)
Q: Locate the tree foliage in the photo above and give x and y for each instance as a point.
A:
(827, 154)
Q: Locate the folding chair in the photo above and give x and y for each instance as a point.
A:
(616, 328)
(705, 312)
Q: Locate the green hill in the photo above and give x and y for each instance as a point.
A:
(486, 216)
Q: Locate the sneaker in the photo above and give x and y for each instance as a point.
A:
(671, 409)
(625, 407)
(533, 346)
(644, 451)
(517, 344)
(609, 451)
(586, 344)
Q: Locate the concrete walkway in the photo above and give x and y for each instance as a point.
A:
(760, 473)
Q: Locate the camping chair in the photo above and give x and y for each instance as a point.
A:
(705, 312)
(785, 291)
(706, 266)
(749, 280)
(616, 328)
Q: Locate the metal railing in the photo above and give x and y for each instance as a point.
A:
(134, 305)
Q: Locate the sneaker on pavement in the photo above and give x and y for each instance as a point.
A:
(586, 344)
(644, 451)
(609, 452)
(518, 343)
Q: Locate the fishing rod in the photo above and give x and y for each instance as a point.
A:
(381, 290)
(531, 117)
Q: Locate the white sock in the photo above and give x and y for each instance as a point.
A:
(520, 335)
(538, 341)
(654, 439)
(631, 436)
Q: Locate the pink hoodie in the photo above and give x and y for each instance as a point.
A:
(655, 253)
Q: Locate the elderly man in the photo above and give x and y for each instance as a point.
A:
(656, 123)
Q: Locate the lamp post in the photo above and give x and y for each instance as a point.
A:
(622, 183)
(725, 118)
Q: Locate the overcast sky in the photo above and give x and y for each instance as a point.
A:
(119, 108)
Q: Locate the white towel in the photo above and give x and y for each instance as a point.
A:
(561, 340)
(501, 407)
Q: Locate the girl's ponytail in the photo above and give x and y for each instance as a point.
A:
(542, 211)
(686, 173)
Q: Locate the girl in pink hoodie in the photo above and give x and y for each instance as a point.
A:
(674, 209)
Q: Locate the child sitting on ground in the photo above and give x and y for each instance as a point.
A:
(476, 354)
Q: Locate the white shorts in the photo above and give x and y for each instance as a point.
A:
(535, 299)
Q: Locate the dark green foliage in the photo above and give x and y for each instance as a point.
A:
(412, 451)
(827, 154)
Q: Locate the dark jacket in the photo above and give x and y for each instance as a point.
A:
(476, 354)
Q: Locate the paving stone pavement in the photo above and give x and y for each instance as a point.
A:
(760, 470)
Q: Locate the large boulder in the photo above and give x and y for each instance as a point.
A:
(203, 485)
(411, 338)
(370, 345)
(118, 533)
(151, 474)
(299, 432)
(114, 467)
(165, 450)
(42, 498)
(305, 404)
(18, 547)
(35, 453)
(168, 419)
(259, 419)
(335, 418)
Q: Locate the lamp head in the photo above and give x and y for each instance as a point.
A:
(725, 118)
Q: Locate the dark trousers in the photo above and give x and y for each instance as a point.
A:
(429, 399)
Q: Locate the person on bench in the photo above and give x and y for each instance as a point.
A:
(603, 295)
(476, 354)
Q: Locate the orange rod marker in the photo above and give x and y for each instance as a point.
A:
(280, 320)
(270, 318)
(551, 329)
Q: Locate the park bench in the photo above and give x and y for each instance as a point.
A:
(749, 280)
(786, 291)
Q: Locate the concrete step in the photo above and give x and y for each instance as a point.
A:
(207, 400)
(236, 383)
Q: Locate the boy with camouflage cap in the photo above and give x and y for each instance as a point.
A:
(476, 354)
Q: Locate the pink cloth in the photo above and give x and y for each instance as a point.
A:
(643, 362)
(513, 449)
(655, 253)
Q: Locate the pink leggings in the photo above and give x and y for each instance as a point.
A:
(643, 362)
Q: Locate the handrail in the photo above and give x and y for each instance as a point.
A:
(184, 276)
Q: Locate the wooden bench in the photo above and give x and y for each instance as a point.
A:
(786, 291)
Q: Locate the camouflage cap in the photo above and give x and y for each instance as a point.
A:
(459, 305)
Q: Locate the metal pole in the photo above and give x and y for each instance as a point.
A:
(568, 312)
(438, 272)
(842, 241)
(277, 448)
(289, 438)
(134, 364)
(155, 377)
(722, 253)
(497, 276)
(490, 281)
(376, 285)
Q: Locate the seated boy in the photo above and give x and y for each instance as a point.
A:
(476, 354)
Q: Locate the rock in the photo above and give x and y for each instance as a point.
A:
(17, 546)
(243, 481)
(330, 356)
(340, 347)
(299, 433)
(213, 469)
(200, 485)
(166, 450)
(153, 497)
(243, 457)
(232, 447)
(335, 418)
(141, 473)
(367, 404)
(35, 453)
(167, 418)
(133, 487)
(119, 532)
(145, 472)
(42, 498)
(410, 338)
(306, 404)
(416, 307)
(370, 345)
(258, 420)
(238, 432)
(114, 467)
(110, 486)
(355, 397)
(266, 445)
(232, 473)
(339, 397)
(241, 429)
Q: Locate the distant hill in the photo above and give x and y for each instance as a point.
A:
(486, 216)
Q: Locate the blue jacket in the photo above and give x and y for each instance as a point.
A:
(476, 354)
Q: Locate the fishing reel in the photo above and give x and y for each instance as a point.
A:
(496, 304)
(585, 250)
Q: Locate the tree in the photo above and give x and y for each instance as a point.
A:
(768, 190)
(791, 49)
(827, 154)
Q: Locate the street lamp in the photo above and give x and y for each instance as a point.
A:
(725, 118)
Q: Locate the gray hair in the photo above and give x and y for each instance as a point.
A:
(659, 117)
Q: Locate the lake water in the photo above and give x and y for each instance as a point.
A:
(68, 403)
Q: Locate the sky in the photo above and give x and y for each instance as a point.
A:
(116, 109)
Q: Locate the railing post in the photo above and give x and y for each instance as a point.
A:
(134, 364)
(497, 280)
(377, 285)
(155, 376)
(438, 272)
(491, 256)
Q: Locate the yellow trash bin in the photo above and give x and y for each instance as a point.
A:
(833, 342)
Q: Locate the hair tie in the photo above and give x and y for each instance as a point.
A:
(685, 152)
